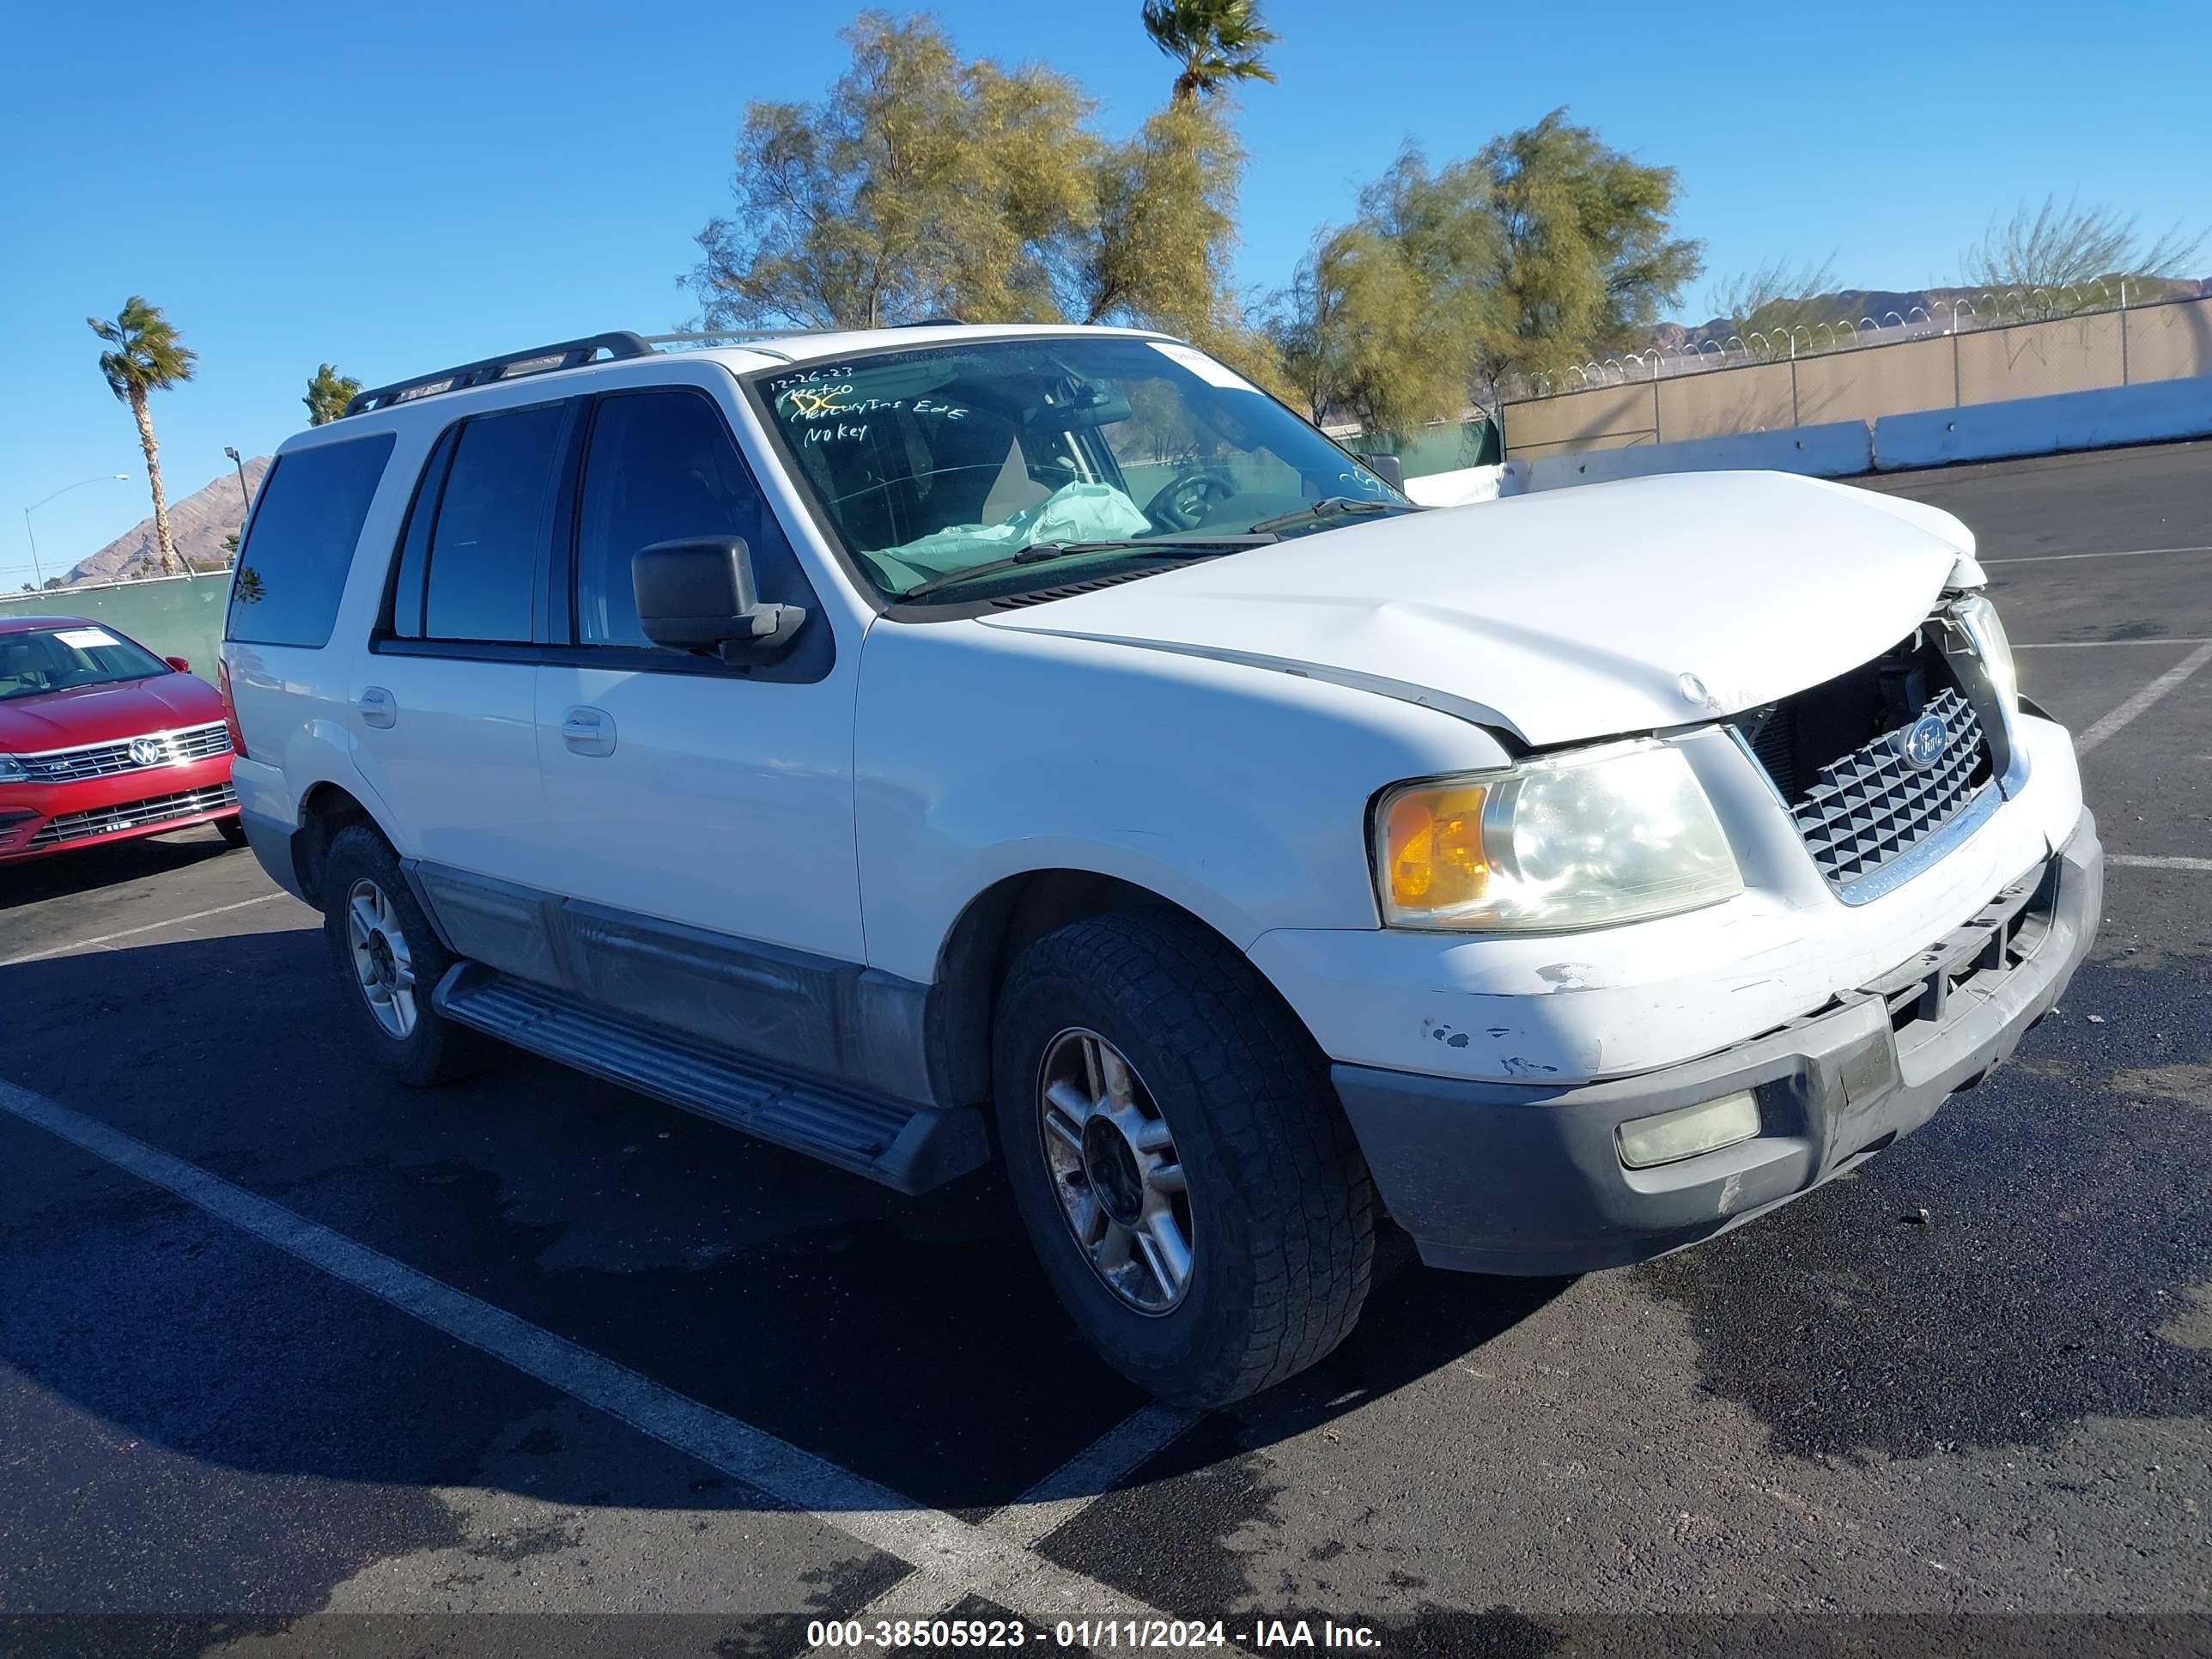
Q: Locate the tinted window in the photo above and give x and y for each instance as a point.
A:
(661, 467)
(415, 542)
(490, 538)
(306, 524)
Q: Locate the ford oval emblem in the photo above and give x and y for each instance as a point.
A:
(1922, 743)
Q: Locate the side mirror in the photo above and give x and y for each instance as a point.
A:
(1389, 468)
(699, 596)
(182, 664)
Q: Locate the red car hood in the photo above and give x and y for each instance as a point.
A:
(103, 714)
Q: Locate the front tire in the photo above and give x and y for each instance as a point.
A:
(388, 960)
(1179, 1157)
(232, 829)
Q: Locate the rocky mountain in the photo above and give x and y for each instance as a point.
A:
(199, 522)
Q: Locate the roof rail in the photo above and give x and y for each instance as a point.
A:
(562, 354)
(749, 336)
(728, 334)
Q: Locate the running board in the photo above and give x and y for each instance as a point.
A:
(907, 1148)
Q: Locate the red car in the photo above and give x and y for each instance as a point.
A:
(101, 741)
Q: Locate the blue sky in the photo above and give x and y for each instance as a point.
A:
(396, 187)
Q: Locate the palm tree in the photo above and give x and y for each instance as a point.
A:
(328, 394)
(1216, 41)
(146, 357)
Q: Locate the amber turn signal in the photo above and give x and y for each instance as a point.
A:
(1432, 856)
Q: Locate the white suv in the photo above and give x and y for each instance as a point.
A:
(935, 745)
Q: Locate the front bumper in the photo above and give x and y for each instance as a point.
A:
(42, 818)
(1506, 1178)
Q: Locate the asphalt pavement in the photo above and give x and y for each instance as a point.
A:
(286, 1349)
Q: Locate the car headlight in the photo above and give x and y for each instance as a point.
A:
(11, 769)
(1579, 841)
(1978, 618)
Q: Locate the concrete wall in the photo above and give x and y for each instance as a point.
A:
(2150, 412)
(1837, 450)
(2016, 361)
(171, 617)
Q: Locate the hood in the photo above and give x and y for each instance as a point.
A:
(1568, 615)
(103, 714)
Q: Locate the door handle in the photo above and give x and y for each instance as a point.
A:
(588, 731)
(378, 707)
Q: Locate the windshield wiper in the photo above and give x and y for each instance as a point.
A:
(1178, 547)
(1328, 507)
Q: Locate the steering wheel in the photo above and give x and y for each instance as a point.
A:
(1182, 504)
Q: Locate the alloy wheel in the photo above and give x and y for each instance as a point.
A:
(1115, 1169)
(381, 963)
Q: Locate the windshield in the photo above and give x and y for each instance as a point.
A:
(930, 461)
(44, 659)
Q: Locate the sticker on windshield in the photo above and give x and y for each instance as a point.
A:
(1202, 366)
(84, 639)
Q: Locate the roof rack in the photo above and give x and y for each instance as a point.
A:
(562, 354)
(574, 353)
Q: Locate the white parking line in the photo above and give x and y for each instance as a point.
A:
(1042, 1511)
(2143, 699)
(2117, 553)
(1075, 1485)
(2145, 861)
(133, 932)
(2084, 645)
(953, 1554)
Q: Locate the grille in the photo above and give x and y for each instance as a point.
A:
(133, 814)
(105, 760)
(1873, 805)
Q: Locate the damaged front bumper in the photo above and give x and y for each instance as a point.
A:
(1509, 1178)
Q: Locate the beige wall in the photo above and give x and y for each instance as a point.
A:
(2023, 360)
(1605, 417)
(1917, 375)
(2037, 359)
(2170, 343)
(1755, 399)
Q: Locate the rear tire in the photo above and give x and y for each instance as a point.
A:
(388, 961)
(1221, 1131)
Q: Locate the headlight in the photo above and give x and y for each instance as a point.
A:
(1583, 841)
(1979, 618)
(11, 769)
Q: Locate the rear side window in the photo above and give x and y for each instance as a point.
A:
(487, 542)
(306, 522)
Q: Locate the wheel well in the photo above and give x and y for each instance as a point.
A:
(999, 924)
(325, 812)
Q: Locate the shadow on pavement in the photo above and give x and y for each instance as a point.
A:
(911, 1340)
(86, 869)
(2038, 1253)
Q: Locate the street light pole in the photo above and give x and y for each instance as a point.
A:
(37, 575)
(245, 497)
